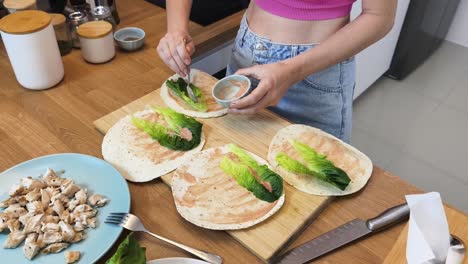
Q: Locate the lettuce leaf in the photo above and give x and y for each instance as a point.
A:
(129, 252)
(170, 136)
(179, 88)
(316, 164)
(242, 172)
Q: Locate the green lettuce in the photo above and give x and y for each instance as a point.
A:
(242, 173)
(316, 164)
(129, 252)
(179, 88)
(170, 136)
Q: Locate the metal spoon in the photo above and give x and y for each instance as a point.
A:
(189, 81)
(189, 89)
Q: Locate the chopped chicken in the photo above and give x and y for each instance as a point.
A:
(13, 224)
(31, 248)
(81, 196)
(79, 226)
(97, 200)
(83, 208)
(51, 219)
(78, 237)
(33, 224)
(52, 179)
(66, 216)
(91, 222)
(16, 190)
(48, 213)
(3, 220)
(68, 233)
(58, 207)
(35, 207)
(14, 239)
(69, 188)
(50, 227)
(51, 237)
(15, 211)
(30, 184)
(54, 248)
(19, 200)
(72, 256)
(24, 218)
(40, 240)
(33, 195)
(45, 197)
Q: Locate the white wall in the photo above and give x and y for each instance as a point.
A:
(458, 31)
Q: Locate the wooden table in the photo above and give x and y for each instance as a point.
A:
(36, 123)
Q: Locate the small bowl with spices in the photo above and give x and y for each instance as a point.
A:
(130, 38)
(231, 88)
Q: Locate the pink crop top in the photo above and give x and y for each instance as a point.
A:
(307, 9)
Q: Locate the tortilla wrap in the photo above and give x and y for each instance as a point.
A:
(357, 165)
(205, 196)
(205, 82)
(136, 155)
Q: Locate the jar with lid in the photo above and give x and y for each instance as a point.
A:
(62, 33)
(76, 19)
(29, 41)
(18, 5)
(97, 41)
(103, 13)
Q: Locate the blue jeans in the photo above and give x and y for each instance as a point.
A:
(323, 100)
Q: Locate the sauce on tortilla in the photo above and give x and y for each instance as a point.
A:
(217, 196)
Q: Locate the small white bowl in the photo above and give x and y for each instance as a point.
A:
(130, 38)
(224, 92)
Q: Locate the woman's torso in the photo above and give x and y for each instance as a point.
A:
(289, 31)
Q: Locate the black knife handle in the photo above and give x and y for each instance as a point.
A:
(389, 217)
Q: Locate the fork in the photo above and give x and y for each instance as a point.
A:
(133, 223)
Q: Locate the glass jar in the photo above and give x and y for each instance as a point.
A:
(62, 33)
(76, 19)
(103, 13)
(18, 5)
(113, 7)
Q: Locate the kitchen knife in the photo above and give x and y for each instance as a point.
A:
(343, 235)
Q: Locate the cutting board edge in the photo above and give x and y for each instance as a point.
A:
(274, 257)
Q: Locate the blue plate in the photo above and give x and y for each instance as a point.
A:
(89, 172)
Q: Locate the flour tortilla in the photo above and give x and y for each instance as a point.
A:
(357, 165)
(224, 205)
(136, 155)
(205, 82)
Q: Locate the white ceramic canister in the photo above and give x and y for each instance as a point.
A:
(97, 42)
(32, 48)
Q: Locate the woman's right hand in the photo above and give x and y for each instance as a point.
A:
(175, 49)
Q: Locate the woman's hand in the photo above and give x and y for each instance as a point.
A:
(175, 49)
(275, 79)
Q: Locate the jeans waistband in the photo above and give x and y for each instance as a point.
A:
(259, 43)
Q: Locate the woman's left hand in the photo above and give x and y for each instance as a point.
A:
(275, 79)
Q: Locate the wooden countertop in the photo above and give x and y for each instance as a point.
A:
(36, 123)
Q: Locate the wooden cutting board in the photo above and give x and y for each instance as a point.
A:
(458, 226)
(253, 133)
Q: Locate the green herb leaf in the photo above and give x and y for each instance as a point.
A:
(316, 164)
(242, 172)
(129, 252)
(179, 88)
(170, 137)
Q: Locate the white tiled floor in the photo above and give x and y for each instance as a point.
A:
(418, 128)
